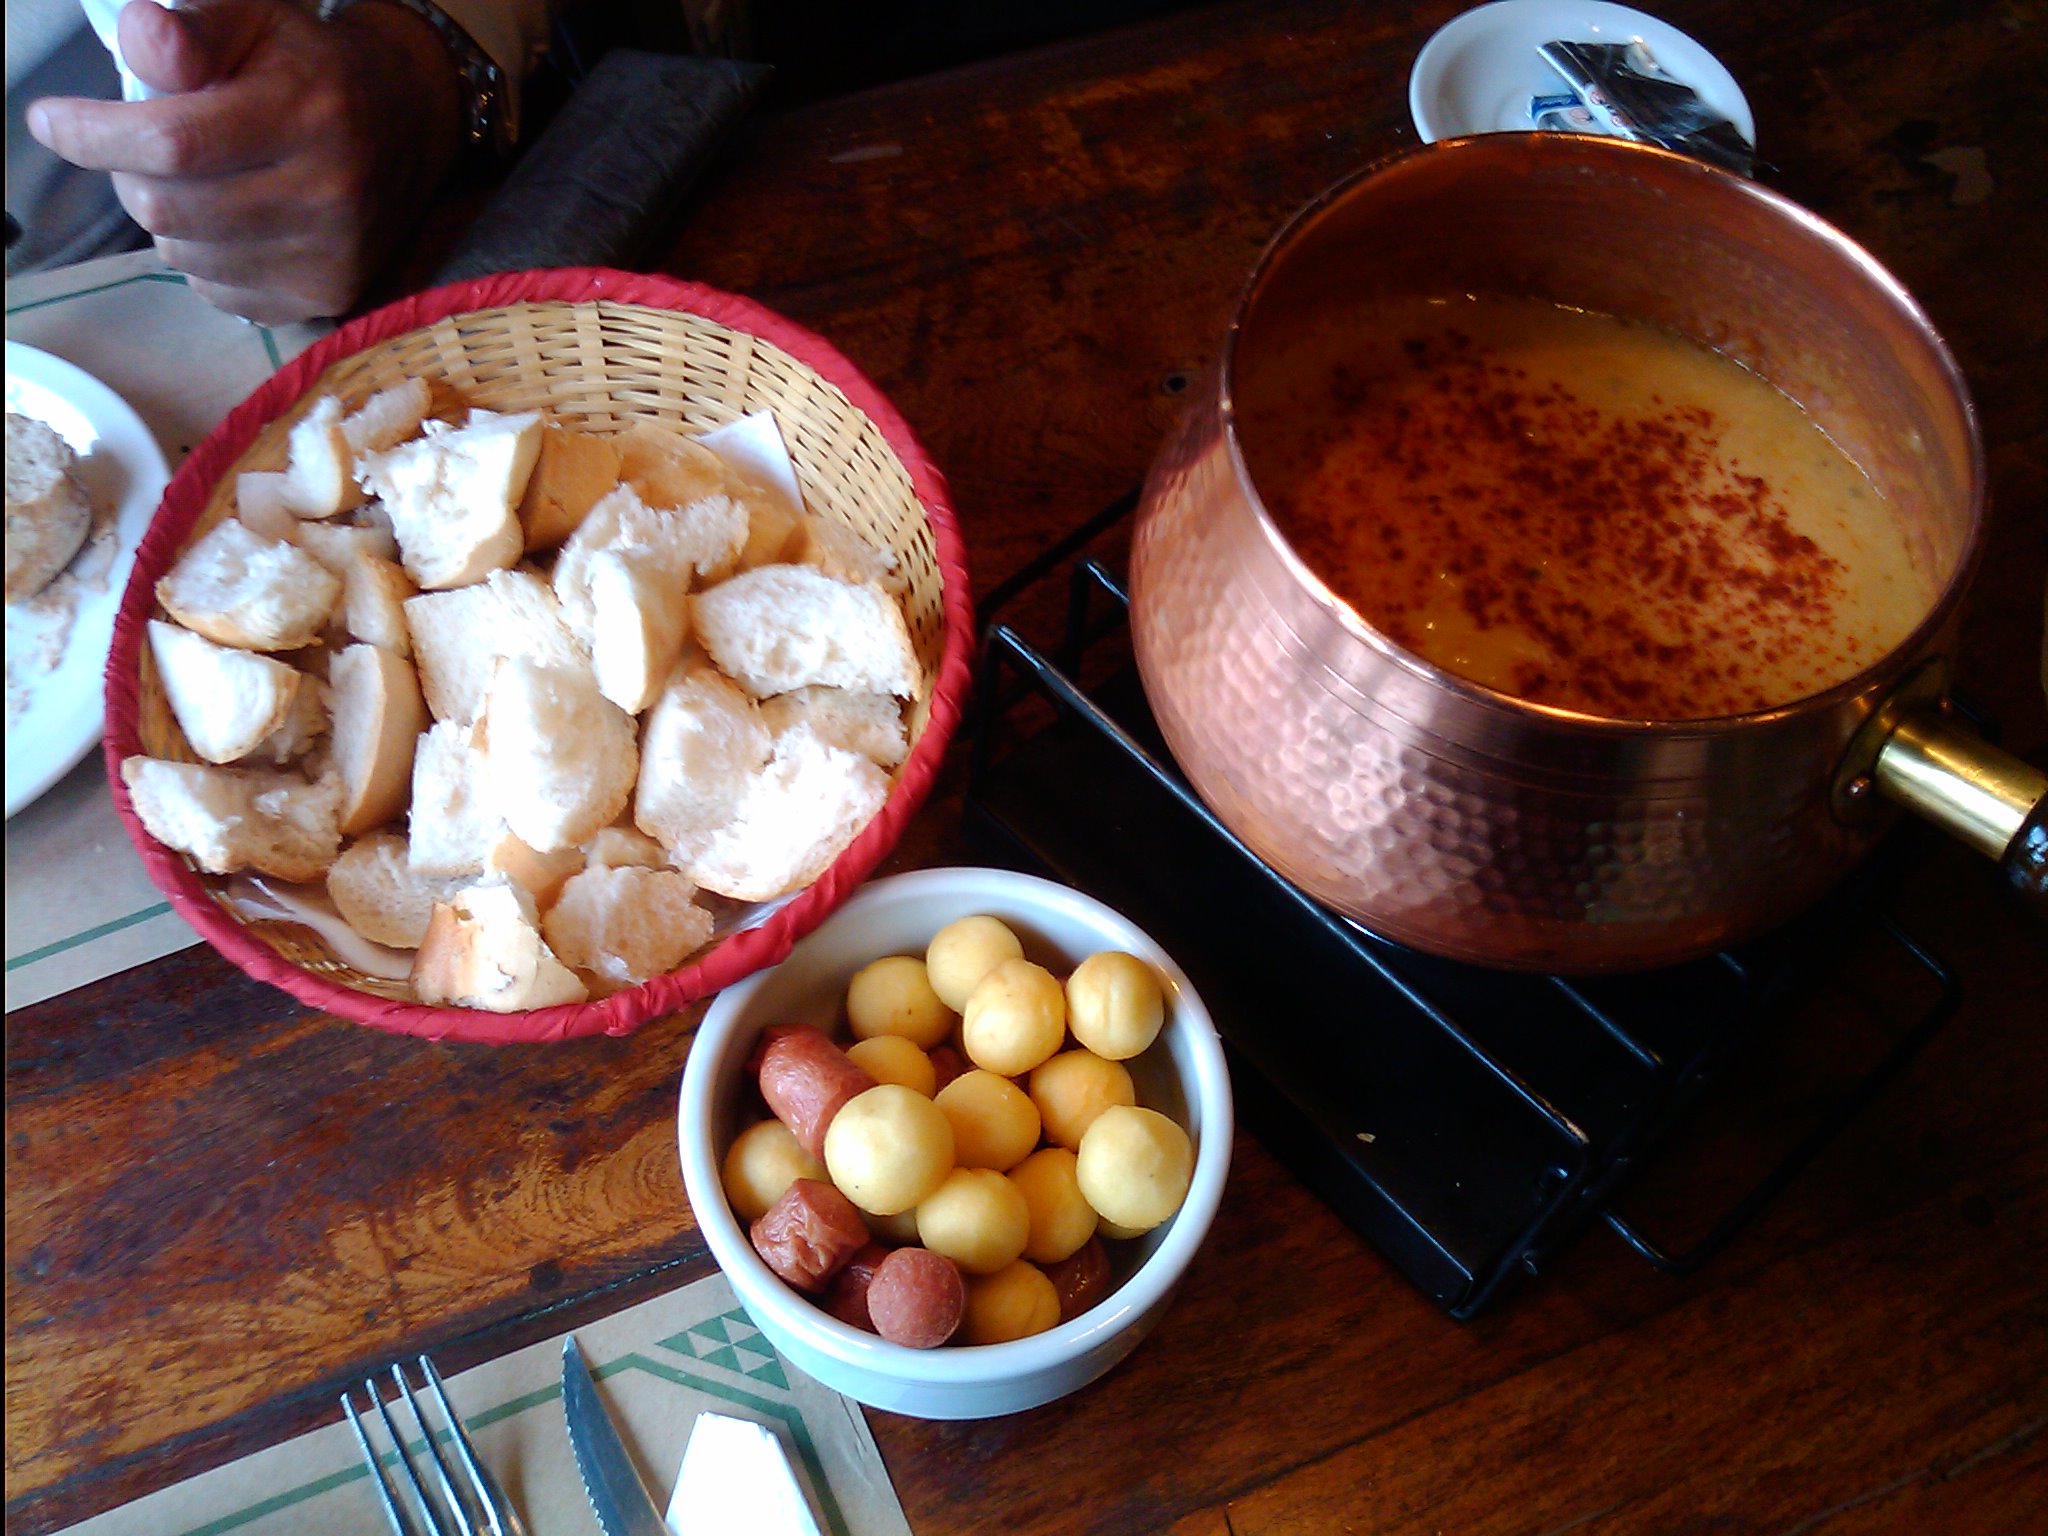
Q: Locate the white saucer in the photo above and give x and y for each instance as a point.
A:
(1480, 71)
(61, 665)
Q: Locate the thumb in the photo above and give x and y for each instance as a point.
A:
(200, 43)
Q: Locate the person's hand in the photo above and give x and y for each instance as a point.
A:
(289, 154)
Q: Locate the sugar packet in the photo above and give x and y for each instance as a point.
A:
(1629, 95)
(1563, 112)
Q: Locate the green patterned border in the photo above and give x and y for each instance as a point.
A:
(728, 1341)
(176, 279)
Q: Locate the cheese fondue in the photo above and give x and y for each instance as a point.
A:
(1577, 510)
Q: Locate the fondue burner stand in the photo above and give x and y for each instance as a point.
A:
(1466, 1122)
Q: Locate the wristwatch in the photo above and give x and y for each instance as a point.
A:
(487, 127)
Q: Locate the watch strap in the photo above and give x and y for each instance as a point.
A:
(488, 128)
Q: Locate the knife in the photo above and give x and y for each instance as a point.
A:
(624, 1506)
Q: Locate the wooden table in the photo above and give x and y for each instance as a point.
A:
(222, 1207)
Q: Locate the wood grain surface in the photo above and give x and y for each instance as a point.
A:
(222, 1208)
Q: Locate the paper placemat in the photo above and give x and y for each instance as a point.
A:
(657, 1364)
(79, 906)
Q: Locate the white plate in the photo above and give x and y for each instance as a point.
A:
(1480, 70)
(122, 468)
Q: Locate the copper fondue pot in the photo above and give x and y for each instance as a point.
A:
(1469, 823)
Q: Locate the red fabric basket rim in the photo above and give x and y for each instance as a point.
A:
(735, 956)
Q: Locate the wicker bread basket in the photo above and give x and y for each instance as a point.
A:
(600, 350)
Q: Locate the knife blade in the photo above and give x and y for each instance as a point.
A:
(623, 1505)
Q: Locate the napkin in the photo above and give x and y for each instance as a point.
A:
(605, 177)
(105, 16)
(736, 1480)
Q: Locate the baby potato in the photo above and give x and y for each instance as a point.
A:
(762, 1162)
(963, 952)
(995, 1124)
(894, 996)
(1062, 1220)
(1134, 1167)
(1115, 1005)
(1073, 1088)
(888, 1148)
(895, 1059)
(977, 1218)
(1012, 1303)
(1015, 1019)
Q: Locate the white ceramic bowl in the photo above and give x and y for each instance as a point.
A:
(1182, 1075)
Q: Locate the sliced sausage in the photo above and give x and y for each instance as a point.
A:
(1081, 1279)
(917, 1298)
(846, 1298)
(948, 1064)
(806, 1078)
(809, 1233)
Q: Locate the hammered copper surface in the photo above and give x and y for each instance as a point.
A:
(1458, 820)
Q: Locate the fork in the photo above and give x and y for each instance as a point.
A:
(485, 1512)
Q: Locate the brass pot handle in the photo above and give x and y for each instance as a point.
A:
(1910, 752)
(1988, 798)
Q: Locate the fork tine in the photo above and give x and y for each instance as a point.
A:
(434, 1520)
(499, 1514)
(401, 1523)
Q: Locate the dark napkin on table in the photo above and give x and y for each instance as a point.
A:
(605, 176)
